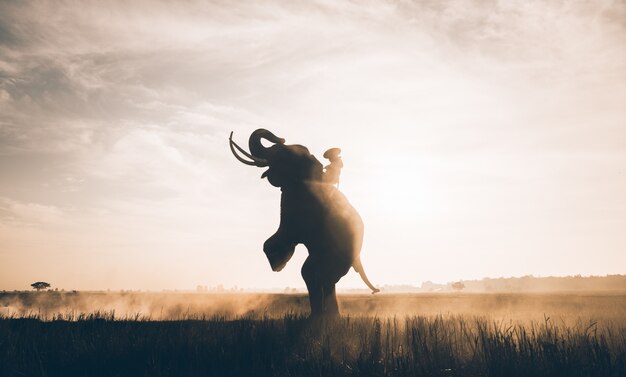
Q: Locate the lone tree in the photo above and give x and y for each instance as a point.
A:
(458, 286)
(40, 285)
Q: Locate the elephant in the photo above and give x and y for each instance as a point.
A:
(313, 212)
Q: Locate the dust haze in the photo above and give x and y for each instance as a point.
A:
(608, 308)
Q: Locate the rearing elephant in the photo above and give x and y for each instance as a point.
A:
(313, 212)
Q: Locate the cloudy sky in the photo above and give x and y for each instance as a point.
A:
(479, 138)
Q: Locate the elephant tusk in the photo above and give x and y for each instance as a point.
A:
(243, 150)
(238, 157)
(256, 161)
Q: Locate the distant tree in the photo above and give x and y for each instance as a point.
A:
(40, 285)
(458, 286)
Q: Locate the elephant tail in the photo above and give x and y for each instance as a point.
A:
(358, 267)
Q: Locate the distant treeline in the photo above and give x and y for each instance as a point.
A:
(525, 284)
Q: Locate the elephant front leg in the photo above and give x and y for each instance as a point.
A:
(278, 251)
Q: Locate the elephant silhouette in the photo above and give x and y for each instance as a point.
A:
(313, 212)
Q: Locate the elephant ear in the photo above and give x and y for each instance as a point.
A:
(293, 164)
(310, 168)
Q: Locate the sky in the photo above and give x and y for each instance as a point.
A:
(479, 138)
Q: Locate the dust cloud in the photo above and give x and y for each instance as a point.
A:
(563, 308)
(147, 305)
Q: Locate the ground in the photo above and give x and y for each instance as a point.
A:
(173, 334)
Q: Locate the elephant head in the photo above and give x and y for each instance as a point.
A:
(287, 164)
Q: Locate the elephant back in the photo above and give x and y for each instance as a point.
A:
(340, 229)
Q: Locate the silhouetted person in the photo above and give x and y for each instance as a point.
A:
(333, 170)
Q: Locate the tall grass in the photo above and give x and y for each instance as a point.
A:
(100, 344)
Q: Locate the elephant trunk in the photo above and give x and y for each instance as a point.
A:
(256, 147)
(358, 266)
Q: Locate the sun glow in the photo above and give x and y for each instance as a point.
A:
(390, 189)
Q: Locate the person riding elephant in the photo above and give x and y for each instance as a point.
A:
(313, 213)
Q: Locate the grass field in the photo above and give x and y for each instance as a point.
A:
(157, 334)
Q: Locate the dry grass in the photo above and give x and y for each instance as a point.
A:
(576, 336)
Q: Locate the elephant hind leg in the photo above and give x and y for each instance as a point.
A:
(309, 274)
(322, 293)
(331, 307)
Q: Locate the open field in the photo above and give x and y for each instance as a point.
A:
(105, 334)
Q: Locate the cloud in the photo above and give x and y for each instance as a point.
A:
(121, 111)
(28, 214)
